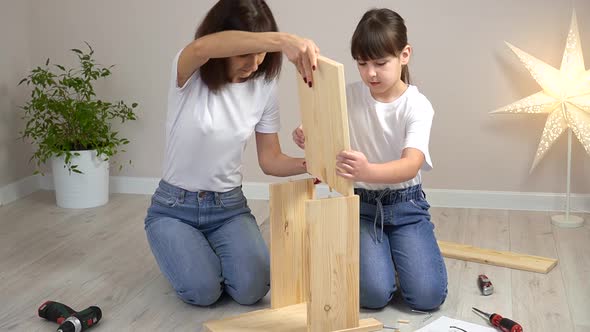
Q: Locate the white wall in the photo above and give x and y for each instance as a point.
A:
(460, 62)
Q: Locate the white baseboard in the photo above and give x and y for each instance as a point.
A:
(473, 199)
(19, 189)
(117, 184)
(504, 200)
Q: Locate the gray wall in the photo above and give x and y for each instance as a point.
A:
(16, 35)
(460, 62)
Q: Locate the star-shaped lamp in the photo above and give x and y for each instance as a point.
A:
(566, 98)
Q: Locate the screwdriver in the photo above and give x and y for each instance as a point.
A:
(504, 324)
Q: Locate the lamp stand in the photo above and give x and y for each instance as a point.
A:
(567, 220)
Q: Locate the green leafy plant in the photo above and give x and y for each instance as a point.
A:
(64, 115)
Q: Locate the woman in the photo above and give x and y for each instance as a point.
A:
(223, 88)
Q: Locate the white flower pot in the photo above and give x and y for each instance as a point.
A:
(79, 191)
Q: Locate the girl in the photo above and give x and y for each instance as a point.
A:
(222, 90)
(390, 124)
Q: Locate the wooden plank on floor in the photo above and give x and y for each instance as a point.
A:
(289, 319)
(365, 325)
(289, 250)
(325, 123)
(286, 319)
(333, 225)
(539, 300)
(509, 259)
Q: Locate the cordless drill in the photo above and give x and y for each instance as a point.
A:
(68, 319)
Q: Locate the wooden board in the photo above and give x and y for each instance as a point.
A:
(325, 122)
(498, 258)
(289, 251)
(333, 225)
(287, 319)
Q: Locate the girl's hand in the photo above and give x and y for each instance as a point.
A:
(353, 165)
(299, 137)
(303, 53)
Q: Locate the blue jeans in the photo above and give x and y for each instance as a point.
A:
(207, 242)
(397, 238)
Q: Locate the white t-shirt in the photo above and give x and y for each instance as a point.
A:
(206, 132)
(383, 130)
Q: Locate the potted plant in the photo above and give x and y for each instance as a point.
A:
(72, 128)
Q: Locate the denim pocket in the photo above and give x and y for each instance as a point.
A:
(163, 198)
(421, 204)
(232, 199)
(410, 212)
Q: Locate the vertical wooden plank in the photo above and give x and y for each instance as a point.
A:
(289, 265)
(325, 122)
(333, 225)
(539, 300)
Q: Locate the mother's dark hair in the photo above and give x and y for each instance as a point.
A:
(242, 15)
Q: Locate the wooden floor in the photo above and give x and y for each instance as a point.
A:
(101, 257)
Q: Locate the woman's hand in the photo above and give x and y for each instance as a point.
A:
(303, 53)
(353, 165)
(299, 137)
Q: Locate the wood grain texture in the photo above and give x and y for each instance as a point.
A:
(286, 319)
(289, 250)
(101, 256)
(289, 319)
(333, 225)
(496, 257)
(325, 123)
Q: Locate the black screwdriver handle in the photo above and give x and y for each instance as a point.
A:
(505, 324)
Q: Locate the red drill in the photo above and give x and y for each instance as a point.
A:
(504, 324)
(69, 319)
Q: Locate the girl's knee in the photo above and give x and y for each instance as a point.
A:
(427, 298)
(375, 296)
